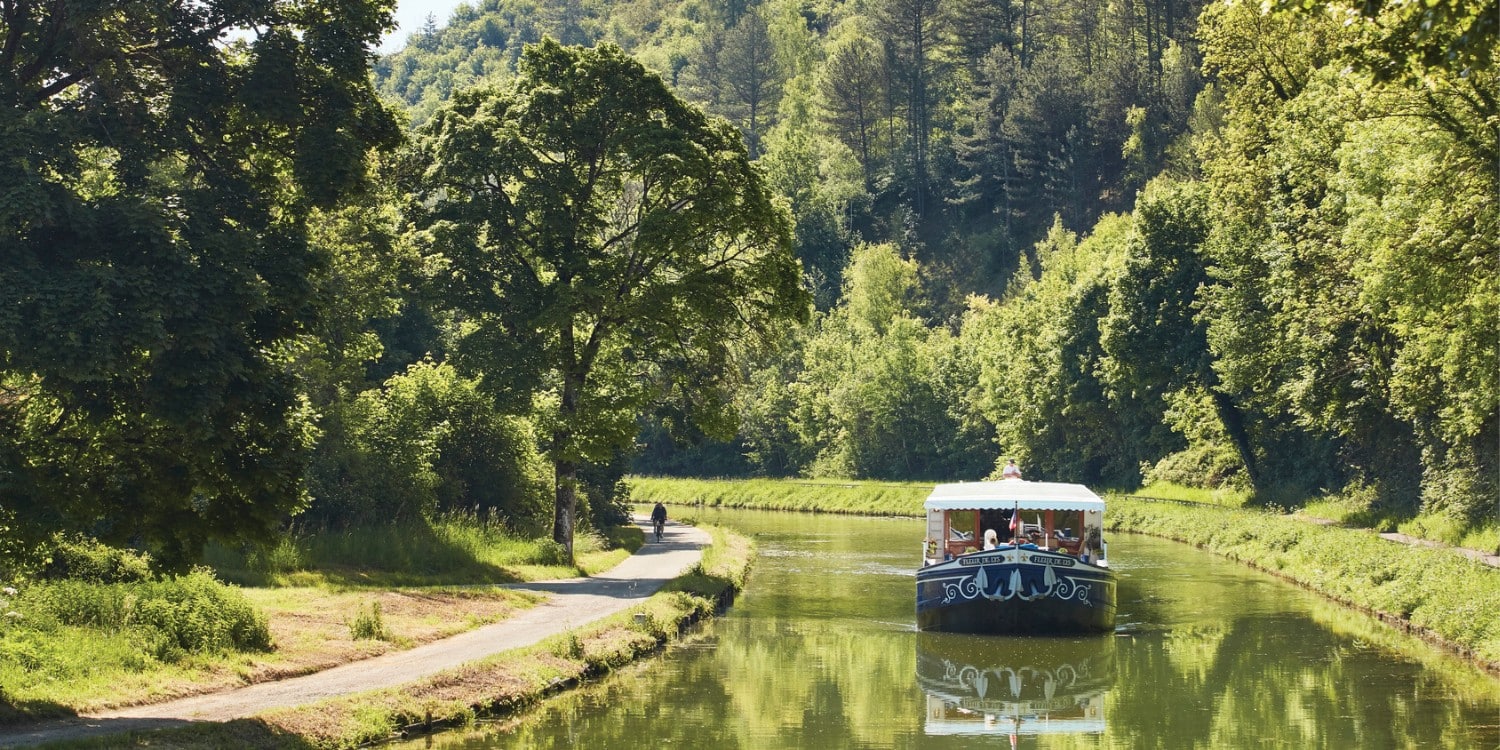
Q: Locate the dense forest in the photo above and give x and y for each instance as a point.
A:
(1209, 244)
(1118, 242)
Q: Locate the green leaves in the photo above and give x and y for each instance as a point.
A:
(601, 240)
(156, 259)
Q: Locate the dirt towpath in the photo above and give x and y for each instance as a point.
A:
(573, 603)
(1472, 554)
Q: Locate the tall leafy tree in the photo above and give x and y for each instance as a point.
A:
(1317, 186)
(985, 25)
(603, 241)
(1048, 122)
(1041, 363)
(1155, 337)
(158, 165)
(984, 151)
(1413, 39)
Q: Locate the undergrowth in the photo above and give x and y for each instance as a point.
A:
(454, 548)
(65, 637)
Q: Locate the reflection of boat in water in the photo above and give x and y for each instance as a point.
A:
(1015, 686)
(1052, 577)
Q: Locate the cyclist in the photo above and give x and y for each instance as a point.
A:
(659, 519)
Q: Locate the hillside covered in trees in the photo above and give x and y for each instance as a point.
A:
(958, 129)
(1118, 242)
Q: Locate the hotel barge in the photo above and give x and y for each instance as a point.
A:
(1049, 575)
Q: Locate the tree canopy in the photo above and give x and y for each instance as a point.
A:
(602, 241)
(158, 163)
(1216, 243)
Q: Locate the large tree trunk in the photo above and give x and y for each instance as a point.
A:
(1234, 426)
(564, 461)
(566, 474)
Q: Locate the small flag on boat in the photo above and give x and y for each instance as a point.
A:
(1015, 520)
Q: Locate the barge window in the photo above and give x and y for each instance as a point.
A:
(962, 525)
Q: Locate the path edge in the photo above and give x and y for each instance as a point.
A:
(499, 686)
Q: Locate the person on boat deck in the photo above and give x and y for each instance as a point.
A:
(991, 539)
(1011, 471)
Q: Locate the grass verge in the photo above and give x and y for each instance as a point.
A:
(60, 670)
(1228, 498)
(808, 495)
(500, 685)
(454, 549)
(69, 647)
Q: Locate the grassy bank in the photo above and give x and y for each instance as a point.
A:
(500, 685)
(114, 634)
(1439, 594)
(809, 495)
(452, 549)
(1356, 508)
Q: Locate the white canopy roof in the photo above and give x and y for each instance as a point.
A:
(1009, 493)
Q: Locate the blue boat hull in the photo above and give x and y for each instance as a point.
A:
(1015, 591)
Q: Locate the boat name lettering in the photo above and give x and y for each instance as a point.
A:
(986, 560)
(1061, 562)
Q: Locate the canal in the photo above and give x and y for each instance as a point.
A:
(821, 652)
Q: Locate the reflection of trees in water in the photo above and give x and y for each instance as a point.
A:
(1280, 678)
(746, 684)
(821, 684)
(634, 706)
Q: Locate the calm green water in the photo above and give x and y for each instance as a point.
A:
(821, 652)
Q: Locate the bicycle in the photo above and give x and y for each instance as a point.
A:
(660, 526)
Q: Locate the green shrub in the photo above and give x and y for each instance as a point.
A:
(1462, 488)
(1206, 466)
(550, 552)
(193, 613)
(78, 603)
(198, 614)
(428, 441)
(368, 624)
(89, 560)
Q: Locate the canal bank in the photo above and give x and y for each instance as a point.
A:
(392, 701)
(1437, 594)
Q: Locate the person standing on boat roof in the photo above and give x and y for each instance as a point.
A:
(1011, 470)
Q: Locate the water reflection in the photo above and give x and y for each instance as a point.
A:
(821, 652)
(987, 685)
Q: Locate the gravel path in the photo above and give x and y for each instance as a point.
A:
(1472, 554)
(573, 603)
